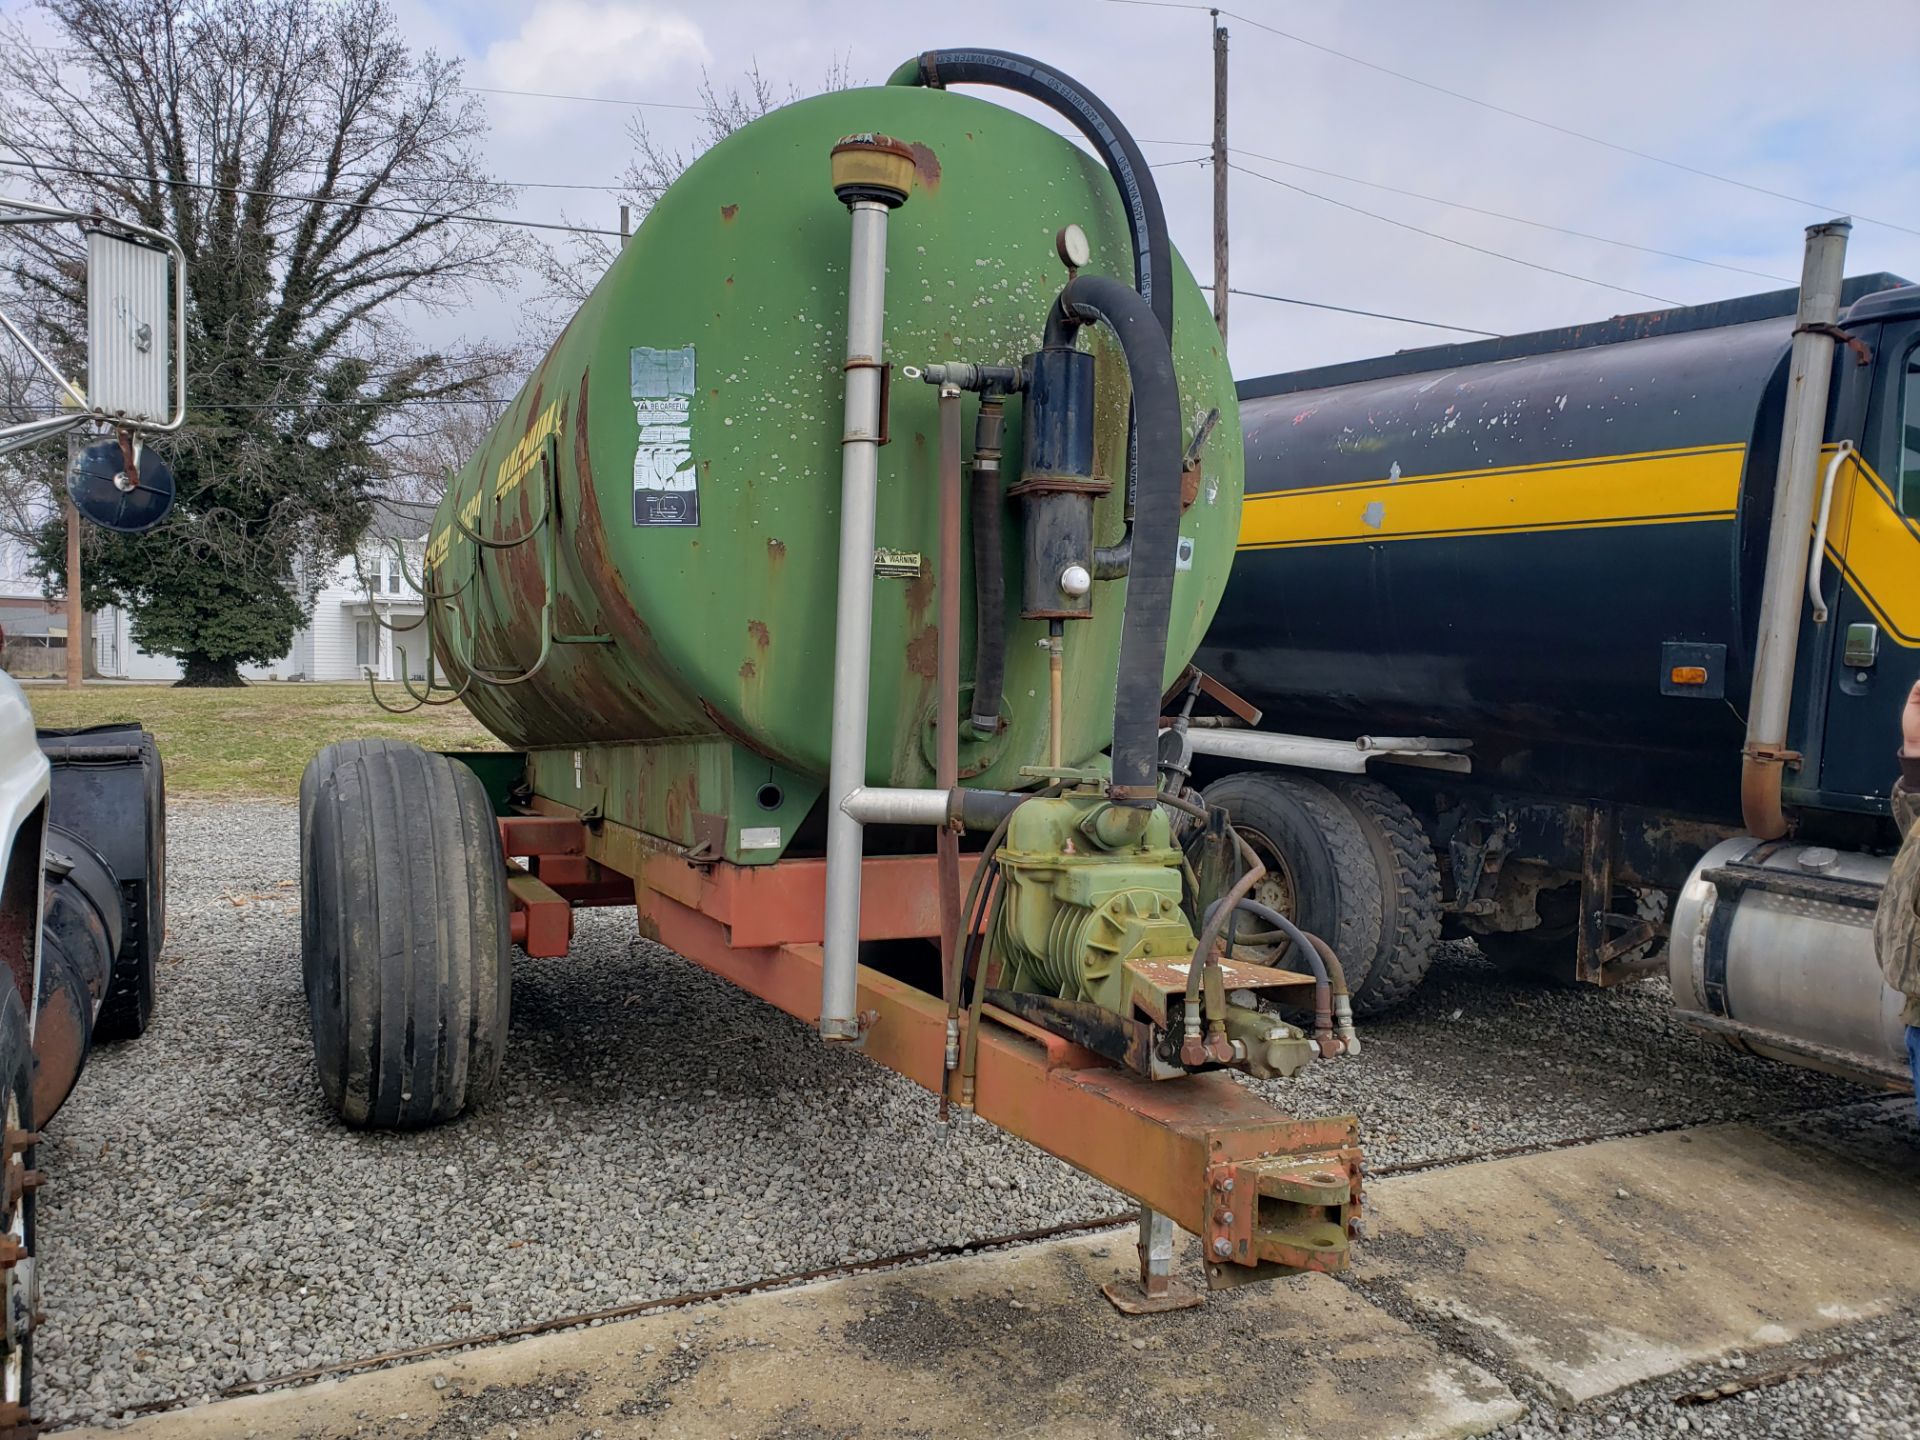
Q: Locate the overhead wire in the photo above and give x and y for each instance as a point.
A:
(1449, 239)
(372, 207)
(1511, 113)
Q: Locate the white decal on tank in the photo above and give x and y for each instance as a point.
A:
(666, 484)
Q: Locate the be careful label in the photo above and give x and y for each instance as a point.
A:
(666, 485)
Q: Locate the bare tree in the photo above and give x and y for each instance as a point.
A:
(324, 183)
(568, 271)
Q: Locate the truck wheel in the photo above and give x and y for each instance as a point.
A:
(404, 933)
(1349, 862)
(19, 1282)
(1409, 896)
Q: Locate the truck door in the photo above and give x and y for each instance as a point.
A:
(1871, 648)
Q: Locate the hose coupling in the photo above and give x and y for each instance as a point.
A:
(1343, 1024)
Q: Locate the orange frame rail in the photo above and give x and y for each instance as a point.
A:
(1260, 1187)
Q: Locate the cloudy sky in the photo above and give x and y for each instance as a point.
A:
(1813, 102)
(1745, 89)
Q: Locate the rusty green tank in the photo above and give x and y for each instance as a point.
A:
(637, 570)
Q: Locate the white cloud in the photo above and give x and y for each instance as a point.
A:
(617, 49)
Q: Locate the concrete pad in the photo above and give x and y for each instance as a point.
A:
(1018, 1342)
(1598, 1267)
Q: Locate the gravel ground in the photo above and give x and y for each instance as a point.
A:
(208, 1224)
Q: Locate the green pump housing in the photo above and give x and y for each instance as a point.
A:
(634, 578)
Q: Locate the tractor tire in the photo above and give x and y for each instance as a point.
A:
(404, 933)
(1353, 865)
(1409, 896)
(19, 1284)
(1322, 873)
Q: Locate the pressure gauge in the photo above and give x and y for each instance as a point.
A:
(1072, 245)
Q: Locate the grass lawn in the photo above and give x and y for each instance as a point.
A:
(252, 743)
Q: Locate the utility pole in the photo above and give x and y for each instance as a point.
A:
(75, 624)
(1220, 291)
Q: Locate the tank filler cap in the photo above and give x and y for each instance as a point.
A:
(1818, 858)
(872, 167)
(1073, 247)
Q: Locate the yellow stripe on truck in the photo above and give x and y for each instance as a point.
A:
(1662, 488)
(1876, 548)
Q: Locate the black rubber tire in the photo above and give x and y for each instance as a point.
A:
(404, 933)
(1335, 875)
(1409, 896)
(16, 1070)
(128, 1008)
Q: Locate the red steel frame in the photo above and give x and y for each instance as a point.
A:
(1260, 1187)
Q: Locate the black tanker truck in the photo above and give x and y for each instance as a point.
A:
(1591, 644)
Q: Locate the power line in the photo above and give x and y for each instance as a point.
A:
(1463, 205)
(1498, 109)
(1516, 219)
(383, 209)
(585, 99)
(1450, 240)
(1370, 314)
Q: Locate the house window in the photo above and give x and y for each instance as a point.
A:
(364, 649)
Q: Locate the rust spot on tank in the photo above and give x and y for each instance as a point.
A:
(923, 653)
(776, 553)
(920, 591)
(758, 630)
(748, 670)
(741, 738)
(727, 212)
(926, 166)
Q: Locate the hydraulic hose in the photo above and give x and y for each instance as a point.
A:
(986, 501)
(1146, 220)
(1139, 196)
(1143, 635)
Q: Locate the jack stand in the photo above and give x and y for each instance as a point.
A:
(1156, 1290)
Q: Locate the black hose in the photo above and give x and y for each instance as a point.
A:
(1139, 197)
(1146, 220)
(986, 501)
(1143, 635)
(1302, 944)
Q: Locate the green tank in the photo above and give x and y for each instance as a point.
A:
(636, 572)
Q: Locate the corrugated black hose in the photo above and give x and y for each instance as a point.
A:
(1143, 635)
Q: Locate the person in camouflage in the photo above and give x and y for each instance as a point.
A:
(1896, 924)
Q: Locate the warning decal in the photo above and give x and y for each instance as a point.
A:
(666, 486)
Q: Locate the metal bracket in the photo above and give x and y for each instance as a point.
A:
(1297, 1212)
(1156, 1291)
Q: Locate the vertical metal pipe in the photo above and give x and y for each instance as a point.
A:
(946, 767)
(853, 632)
(76, 621)
(1220, 171)
(1803, 429)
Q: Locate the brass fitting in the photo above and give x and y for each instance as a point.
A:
(872, 167)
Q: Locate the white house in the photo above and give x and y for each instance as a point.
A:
(355, 625)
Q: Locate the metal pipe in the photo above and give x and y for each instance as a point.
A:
(1056, 662)
(1803, 428)
(969, 809)
(989, 572)
(946, 765)
(853, 620)
(1817, 557)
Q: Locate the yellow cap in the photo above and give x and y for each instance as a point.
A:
(872, 167)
